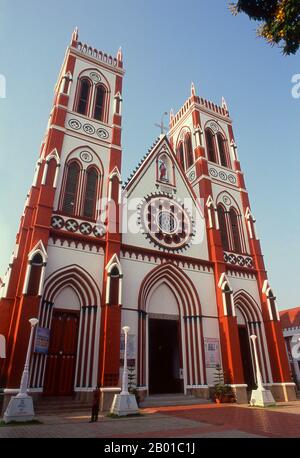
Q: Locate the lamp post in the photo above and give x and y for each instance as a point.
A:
(20, 407)
(25, 376)
(124, 404)
(260, 397)
(126, 330)
(258, 373)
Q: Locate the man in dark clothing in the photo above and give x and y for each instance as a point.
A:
(96, 405)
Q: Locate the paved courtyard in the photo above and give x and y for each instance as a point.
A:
(195, 421)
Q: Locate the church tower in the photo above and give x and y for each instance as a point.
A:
(202, 137)
(69, 235)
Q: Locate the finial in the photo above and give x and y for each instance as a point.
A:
(224, 104)
(120, 54)
(171, 115)
(193, 90)
(75, 34)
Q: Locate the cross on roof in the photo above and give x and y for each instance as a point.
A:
(162, 127)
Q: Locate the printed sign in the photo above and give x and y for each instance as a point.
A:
(42, 339)
(2, 347)
(212, 352)
(131, 346)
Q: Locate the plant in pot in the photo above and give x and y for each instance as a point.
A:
(222, 391)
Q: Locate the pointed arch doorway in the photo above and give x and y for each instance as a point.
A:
(165, 355)
(170, 342)
(60, 369)
(62, 353)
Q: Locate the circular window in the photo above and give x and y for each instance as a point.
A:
(166, 222)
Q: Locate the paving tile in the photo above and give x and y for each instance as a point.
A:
(170, 422)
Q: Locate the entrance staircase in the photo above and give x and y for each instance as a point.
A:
(165, 400)
(61, 405)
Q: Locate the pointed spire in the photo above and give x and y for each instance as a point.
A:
(224, 104)
(120, 54)
(171, 115)
(193, 90)
(75, 35)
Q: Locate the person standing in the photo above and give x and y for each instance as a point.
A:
(96, 405)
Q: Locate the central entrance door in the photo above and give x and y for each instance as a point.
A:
(164, 357)
(246, 357)
(61, 359)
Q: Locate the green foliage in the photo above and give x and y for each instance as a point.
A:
(220, 387)
(131, 380)
(279, 21)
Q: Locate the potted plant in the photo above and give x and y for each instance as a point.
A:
(222, 391)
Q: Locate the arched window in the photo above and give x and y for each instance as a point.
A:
(35, 275)
(180, 154)
(272, 301)
(222, 150)
(83, 97)
(211, 146)
(223, 228)
(227, 292)
(114, 286)
(189, 151)
(71, 189)
(90, 195)
(236, 236)
(52, 165)
(99, 103)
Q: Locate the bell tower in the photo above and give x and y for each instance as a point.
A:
(202, 137)
(74, 198)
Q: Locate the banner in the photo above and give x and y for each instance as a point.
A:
(42, 340)
(131, 346)
(212, 352)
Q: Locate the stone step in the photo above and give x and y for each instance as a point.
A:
(55, 405)
(172, 400)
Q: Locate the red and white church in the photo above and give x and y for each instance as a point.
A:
(173, 253)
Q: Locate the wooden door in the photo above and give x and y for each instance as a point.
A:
(61, 358)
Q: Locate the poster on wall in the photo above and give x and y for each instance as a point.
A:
(212, 352)
(131, 346)
(42, 339)
(2, 347)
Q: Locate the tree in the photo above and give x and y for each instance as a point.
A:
(279, 21)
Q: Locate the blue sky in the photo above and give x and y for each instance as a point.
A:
(166, 44)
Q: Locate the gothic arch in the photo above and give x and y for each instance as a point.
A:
(252, 314)
(81, 281)
(236, 238)
(89, 296)
(181, 283)
(96, 163)
(189, 311)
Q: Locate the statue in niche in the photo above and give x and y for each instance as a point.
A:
(163, 171)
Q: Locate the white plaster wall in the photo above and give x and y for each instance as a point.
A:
(67, 299)
(163, 301)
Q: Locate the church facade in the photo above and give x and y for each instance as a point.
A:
(172, 253)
